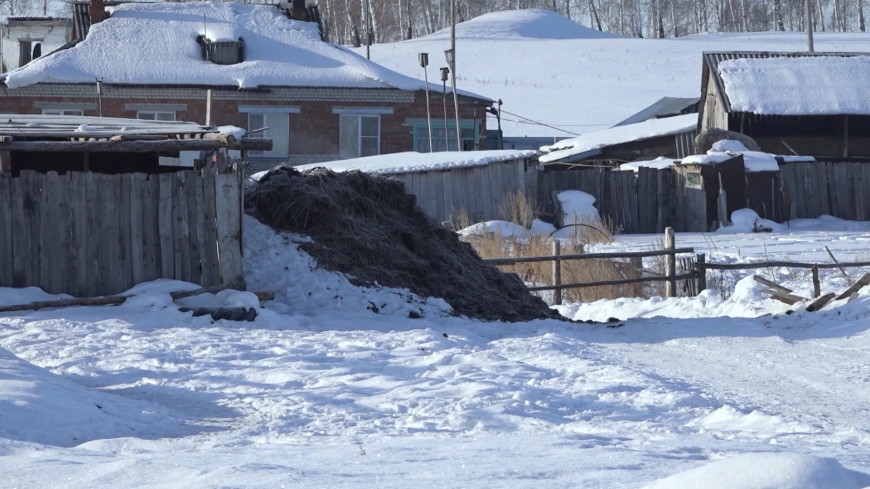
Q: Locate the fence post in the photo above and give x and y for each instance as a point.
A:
(557, 273)
(817, 288)
(670, 263)
(701, 264)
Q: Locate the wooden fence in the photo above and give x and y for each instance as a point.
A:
(89, 234)
(640, 202)
(477, 190)
(840, 189)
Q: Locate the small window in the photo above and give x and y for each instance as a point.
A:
(25, 52)
(153, 115)
(78, 112)
(359, 135)
(693, 179)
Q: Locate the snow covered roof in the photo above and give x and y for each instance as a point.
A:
(660, 163)
(617, 135)
(798, 84)
(410, 161)
(157, 44)
(753, 161)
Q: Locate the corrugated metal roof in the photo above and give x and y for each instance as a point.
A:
(59, 126)
(664, 107)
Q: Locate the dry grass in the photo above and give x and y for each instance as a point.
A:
(573, 271)
(519, 208)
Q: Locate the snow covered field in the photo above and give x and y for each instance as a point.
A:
(320, 391)
(722, 390)
(562, 74)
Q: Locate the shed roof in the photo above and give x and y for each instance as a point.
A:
(592, 143)
(156, 44)
(664, 107)
(411, 162)
(790, 83)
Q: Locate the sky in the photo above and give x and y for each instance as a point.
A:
(728, 389)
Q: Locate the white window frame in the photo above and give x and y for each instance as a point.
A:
(155, 115)
(73, 112)
(268, 112)
(359, 113)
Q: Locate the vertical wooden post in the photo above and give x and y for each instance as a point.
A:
(701, 264)
(670, 263)
(5, 163)
(817, 289)
(557, 273)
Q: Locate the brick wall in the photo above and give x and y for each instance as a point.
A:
(314, 130)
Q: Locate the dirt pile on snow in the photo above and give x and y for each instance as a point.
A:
(371, 229)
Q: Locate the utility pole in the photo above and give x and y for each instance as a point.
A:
(809, 22)
(452, 62)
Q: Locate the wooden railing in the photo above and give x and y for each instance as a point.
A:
(670, 277)
(697, 272)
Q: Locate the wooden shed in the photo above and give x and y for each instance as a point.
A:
(87, 209)
(708, 192)
(790, 103)
(448, 182)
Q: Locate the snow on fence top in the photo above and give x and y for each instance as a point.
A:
(617, 135)
(812, 85)
(157, 44)
(410, 161)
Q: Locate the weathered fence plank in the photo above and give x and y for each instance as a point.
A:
(211, 274)
(77, 193)
(194, 214)
(229, 229)
(166, 225)
(125, 262)
(137, 228)
(6, 231)
(22, 247)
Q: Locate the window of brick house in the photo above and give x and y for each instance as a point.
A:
(63, 112)
(359, 130)
(155, 115)
(272, 123)
(445, 140)
(359, 135)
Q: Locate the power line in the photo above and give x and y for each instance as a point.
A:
(526, 120)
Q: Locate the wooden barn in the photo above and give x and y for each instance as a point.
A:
(449, 182)
(812, 104)
(92, 206)
(671, 137)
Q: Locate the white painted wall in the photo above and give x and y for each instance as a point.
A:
(51, 33)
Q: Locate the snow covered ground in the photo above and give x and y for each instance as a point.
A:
(320, 391)
(722, 390)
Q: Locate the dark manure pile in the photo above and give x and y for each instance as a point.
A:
(370, 229)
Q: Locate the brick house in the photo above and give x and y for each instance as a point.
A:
(266, 69)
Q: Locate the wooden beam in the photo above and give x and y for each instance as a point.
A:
(126, 146)
(860, 284)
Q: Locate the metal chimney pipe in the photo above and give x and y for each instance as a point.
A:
(298, 11)
(96, 11)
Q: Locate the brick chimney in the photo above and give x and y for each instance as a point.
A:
(96, 11)
(298, 12)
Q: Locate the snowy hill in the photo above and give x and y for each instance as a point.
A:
(550, 70)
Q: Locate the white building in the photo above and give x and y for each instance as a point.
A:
(25, 38)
